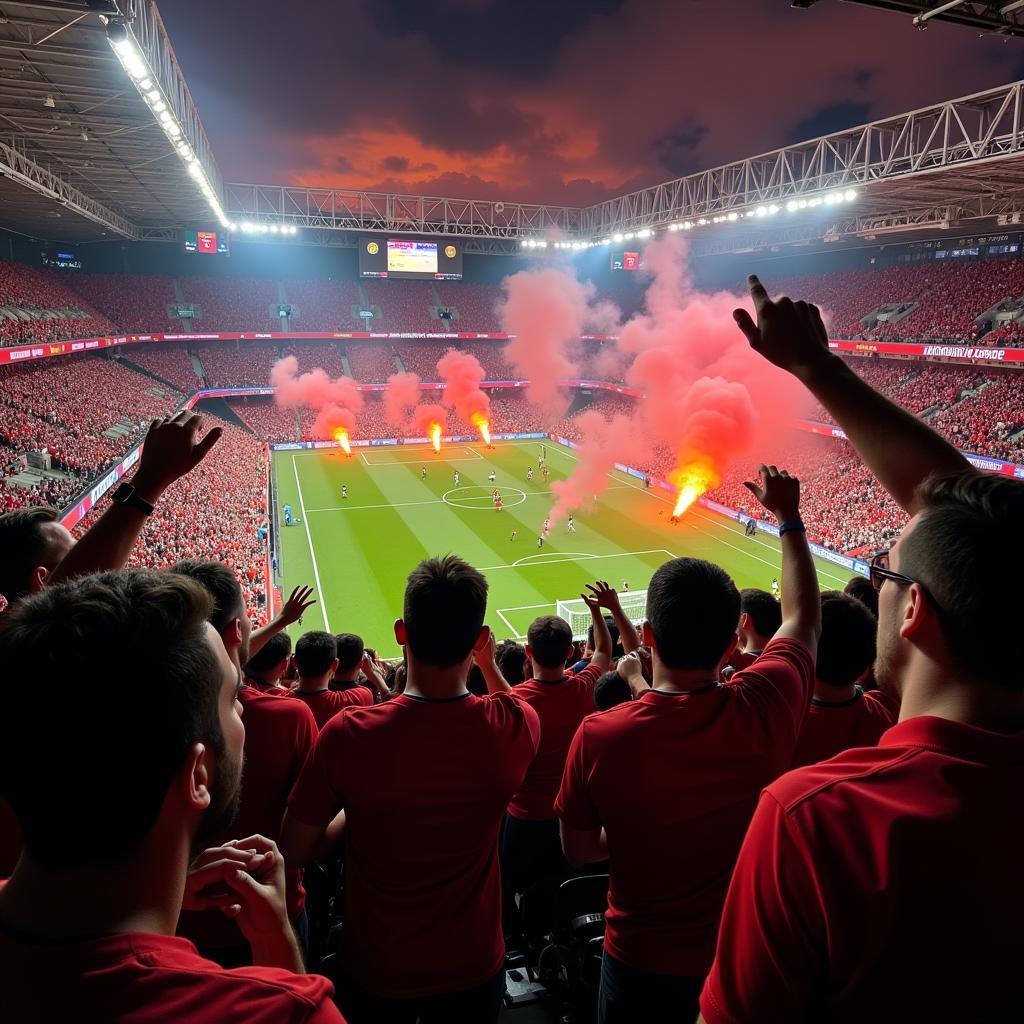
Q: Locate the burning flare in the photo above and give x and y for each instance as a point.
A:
(341, 436)
(692, 480)
(434, 431)
(479, 421)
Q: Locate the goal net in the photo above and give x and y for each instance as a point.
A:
(577, 614)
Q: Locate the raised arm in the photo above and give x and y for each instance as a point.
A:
(299, 600)
(801, 600)
(608, 597)
(595, 601)
(172, 449)
(485, 655)
(792, 336)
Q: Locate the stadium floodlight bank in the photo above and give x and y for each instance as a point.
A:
(577, 614)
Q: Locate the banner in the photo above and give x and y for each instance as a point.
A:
(932, 350)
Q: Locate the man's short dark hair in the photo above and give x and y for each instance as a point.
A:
(511, 659)
(863, 590)
(444, 608)
(693, 609)
(221, 584)
(315, 652)
(271, 654)
(617, 649)
(846, 649)
(108, 680)
(611, 689)
(350, 651)
(23, 546)
(964, 553)
(549, 639)
(764, 610)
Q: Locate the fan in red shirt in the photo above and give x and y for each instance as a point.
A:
(263, 671)
(279, 736)
(316, 659)
(354, 660)
(664, 786)
(529, 832)
(142, 759)
(423, 781)
(760, 618)
(885, 884)
(842, 715)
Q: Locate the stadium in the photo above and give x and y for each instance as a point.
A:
(398, 446)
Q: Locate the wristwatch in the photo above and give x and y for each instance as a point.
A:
(125, 494)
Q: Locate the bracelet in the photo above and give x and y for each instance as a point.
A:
(792, 525)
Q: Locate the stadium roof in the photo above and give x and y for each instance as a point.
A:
(83, 157)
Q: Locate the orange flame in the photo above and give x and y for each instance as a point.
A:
(434, 430)
(693, 480)
(341, 436)
(479, 420)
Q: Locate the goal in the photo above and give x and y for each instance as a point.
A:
(577, 614)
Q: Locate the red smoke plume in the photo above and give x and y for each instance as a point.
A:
(424, 415)
(335, 402)
(403, 392)
(462, 374)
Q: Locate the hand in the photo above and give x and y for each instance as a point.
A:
(245, 880)
(630, 667)
(296, 605)
(602, 596)
(789, 334)
(487, 654)
(778, 492)
(170, 451)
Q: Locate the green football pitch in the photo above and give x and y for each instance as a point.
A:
(357, 551)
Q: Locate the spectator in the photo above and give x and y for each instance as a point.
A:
(316, 658)
(88, 916)
(511, 660)
(697, 754)
(32, 544)
(353, 660)
(529, 832)
(851, 853)
(862, 589)
(760, 619)
(263, 671)
(611, 690)
(423, 780)
(841, 714)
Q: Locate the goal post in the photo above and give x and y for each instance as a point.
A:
(577, 614)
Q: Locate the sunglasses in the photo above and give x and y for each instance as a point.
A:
(880, 572)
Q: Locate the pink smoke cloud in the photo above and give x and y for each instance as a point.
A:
(336, 403)
(332, 417)
(462, 374)
(424, 415)
(401, 395)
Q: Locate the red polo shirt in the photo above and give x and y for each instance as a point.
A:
(831, 727)
(674, 780)
(270, 689)
(424, 785)
(138, 978)
(279, 737)
(325, 704)
(883, 885)
(560, 705)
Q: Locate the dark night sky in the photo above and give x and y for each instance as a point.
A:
(548, 100)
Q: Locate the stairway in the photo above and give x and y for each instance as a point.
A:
(197, 363)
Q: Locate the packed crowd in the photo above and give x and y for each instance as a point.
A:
(403, 305)
(372, 361)
(237, 363)
(140, 308)
(324, 305)
(168, 360)
(806, 771)
(232, 303)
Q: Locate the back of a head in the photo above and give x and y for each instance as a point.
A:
(221, 584)
(846, 648)
(611, 689)
(145, 686)
(764, 610)
(550, 640)
(350, 651)
(444, 608)
(511, 659)
(693, 609)
(861, 588)
(965, 552)
(270, 655)
(24, 544)
(315, 652)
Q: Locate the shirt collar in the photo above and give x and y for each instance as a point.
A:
(965, 742)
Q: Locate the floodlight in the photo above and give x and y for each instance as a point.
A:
(734, 215)
(792, 205)
(616, 237)
(851, 194)
(762, 211)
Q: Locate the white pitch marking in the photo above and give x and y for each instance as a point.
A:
(312, 552)
(512, 629)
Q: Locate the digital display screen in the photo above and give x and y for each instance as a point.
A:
(410, 259)
(626, 260)
(62, 260)
(207, 242)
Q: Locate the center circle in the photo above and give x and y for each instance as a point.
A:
(479, 497)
